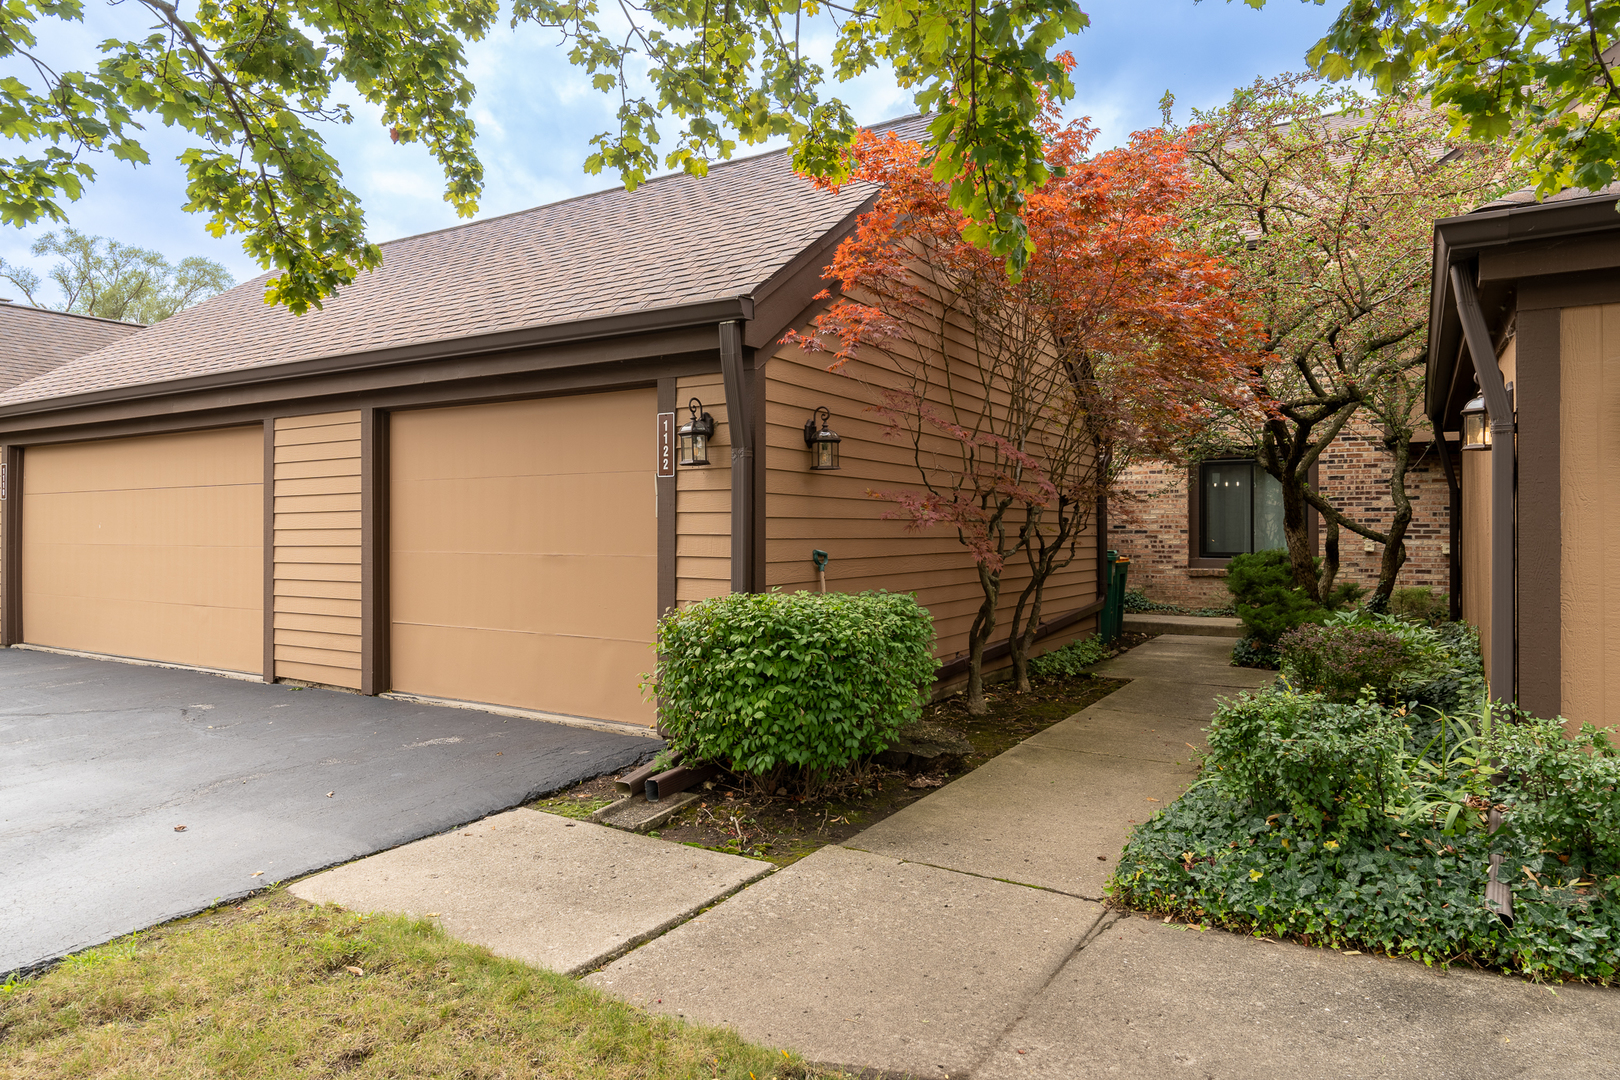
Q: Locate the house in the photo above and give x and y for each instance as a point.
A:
(1180, 523)
(1524, 364)
(35, 340)
(457, 480)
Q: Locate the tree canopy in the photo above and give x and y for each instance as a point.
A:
(102, 277)
(253, 82)
(1538, 73)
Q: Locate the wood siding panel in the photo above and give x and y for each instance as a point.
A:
(148, 547)
(523, 553)
(1589, 458)
(317, 549)
(703, 500)
(837, 512)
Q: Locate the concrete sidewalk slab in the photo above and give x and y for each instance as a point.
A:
(567, 895)
(863, 961)
(1036, 815)
(1146, 1000)
(1170, 739)
(1154, 622)
(1191, 697)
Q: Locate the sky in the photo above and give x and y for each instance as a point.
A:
(536, 114)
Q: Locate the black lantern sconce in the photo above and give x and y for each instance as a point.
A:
(695, 435)
(1476, 425)
(823, 444)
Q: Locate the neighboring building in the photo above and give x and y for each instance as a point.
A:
(1181, 524)
(1525, 324)
(448, 481)
(35, 340)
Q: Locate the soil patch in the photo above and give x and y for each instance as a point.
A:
(735, 816)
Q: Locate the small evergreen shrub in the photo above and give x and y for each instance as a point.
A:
(1563, 792)
(1070, 660)
(760, 682)
(1418, 603)
(1266, 598)
(1249, 652)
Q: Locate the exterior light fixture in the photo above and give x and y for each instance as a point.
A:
(1476, 425)
(695, 435)
(823, 444)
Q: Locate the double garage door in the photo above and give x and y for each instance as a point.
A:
(522, 536)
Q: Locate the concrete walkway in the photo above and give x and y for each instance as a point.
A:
(963, 937)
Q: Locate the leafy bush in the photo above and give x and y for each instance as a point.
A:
(1332, 767)
(1561, 793)
(811, 681)
(1138, 601)
(1418, 603)
(1255, 654)
(1070, 660)
(1266, 598)
(1339, 661)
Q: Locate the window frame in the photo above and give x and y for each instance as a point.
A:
(1195, 525)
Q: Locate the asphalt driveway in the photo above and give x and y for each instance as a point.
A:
(100, 762)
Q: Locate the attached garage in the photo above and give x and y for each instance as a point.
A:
(523, 552)
(149, 547)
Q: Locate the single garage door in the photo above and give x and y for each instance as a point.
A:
(151, 547)
(523, 553)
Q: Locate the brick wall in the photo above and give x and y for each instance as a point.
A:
(1149, 523)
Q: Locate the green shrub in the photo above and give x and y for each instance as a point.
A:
(1340, 661)
(1070, 660)
(812, 681)
(1561, 792)
(1418, 603)
(1266, 598)
(1255, 654)
(1333, 767)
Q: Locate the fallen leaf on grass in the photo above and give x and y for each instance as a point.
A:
(353, 968)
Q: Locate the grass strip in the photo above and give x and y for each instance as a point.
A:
(276, 987)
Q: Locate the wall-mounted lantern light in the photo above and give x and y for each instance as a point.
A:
(695, 435)
(823, 444)
(1476, 425)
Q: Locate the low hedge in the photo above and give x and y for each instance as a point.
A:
(760, 682)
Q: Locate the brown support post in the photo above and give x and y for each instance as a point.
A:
(1504, 622)
(665, 488)
(270, 550)
(375, 677)
(11, 466)
(740, 413)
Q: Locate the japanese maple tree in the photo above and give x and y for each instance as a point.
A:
(1022, 399)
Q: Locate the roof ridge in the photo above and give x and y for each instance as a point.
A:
(13, 305)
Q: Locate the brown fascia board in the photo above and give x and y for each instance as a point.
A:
(641, 323)
(1533, 228)
(787, 293)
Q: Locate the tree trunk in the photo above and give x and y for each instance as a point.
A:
(1297, 531)
(984, 624)
(1330, 561)
(1395, 546)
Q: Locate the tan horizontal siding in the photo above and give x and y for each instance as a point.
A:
(703, 500)
(838, 513)
(318, 553)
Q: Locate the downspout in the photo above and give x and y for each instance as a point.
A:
(1504, 626)
(740, 414)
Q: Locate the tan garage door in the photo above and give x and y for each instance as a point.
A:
(151, 547)
(524, 559)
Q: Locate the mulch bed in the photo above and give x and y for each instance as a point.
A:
(735, 816)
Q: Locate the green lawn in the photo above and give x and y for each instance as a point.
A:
(278, 988)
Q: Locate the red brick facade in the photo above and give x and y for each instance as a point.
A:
(1149, 524)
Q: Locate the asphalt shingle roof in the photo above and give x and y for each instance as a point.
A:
(676, 240)
(35, 340)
